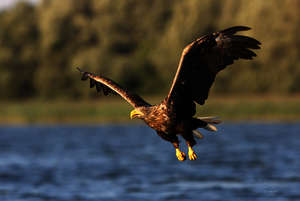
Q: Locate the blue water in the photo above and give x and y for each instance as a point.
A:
(118, 163)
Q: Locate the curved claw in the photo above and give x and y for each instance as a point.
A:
(180, 155)
(192, 154)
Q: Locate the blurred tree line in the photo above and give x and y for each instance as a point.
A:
(139, 43)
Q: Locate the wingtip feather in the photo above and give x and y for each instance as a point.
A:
(235, 29)
(79, 70)
(85, 75)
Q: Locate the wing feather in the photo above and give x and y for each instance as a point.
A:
(202, 60)
(108, 86)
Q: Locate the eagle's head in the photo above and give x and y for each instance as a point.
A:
(139, 112)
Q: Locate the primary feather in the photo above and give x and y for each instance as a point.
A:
(108, 86)
(202, 60)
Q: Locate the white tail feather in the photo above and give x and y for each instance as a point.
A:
(198, 134)
(211, 127)
(210, 119)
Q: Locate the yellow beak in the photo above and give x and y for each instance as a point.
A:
(135, 113)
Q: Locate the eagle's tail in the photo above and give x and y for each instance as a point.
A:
(209, 125)
(210, 121)
(198, 134)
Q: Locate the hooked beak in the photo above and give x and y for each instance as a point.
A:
(135, 113)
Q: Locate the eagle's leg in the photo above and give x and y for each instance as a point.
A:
(192, 154)
(180, 155)
(174, 140)
(190, 141)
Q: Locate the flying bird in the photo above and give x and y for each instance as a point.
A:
(199, 64)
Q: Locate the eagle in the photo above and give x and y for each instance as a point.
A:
(199, 64)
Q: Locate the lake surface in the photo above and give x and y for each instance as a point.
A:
(126, 163)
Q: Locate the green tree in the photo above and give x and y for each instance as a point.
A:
(275, 24)
(19, 51)
(139, 43)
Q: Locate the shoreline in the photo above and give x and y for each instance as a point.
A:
(114, 110)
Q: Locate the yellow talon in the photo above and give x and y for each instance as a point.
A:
(180, 155)
(192, 154)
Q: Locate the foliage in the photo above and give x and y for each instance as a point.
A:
(18, 56)
(138, 43)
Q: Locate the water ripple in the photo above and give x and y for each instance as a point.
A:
(113, 163)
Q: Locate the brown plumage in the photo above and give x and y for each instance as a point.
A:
(199, 64)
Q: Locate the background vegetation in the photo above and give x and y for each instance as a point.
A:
(138, 44)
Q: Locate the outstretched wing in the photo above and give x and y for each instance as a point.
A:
(108, 86)
(202, 60)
